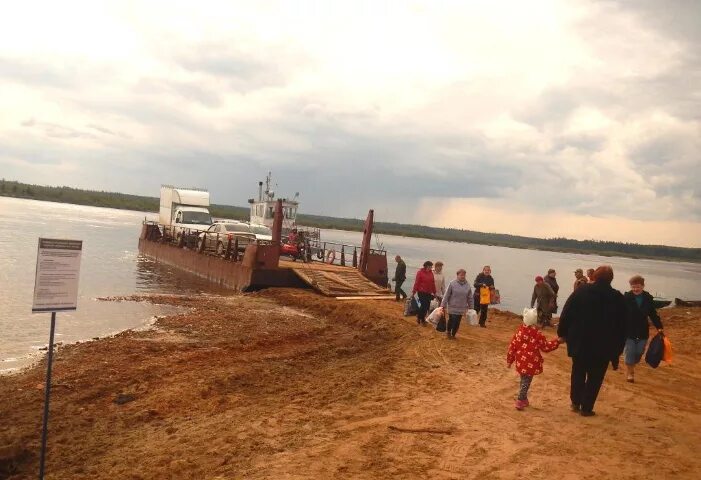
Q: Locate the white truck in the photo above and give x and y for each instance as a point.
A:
(184, 210)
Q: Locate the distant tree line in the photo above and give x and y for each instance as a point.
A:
(151, 204)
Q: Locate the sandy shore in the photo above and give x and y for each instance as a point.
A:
(286, 384)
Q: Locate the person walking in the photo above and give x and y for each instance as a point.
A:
(593, 325)
(590, 275)
(456, 301)
(640, 307)
(425, 286)
(524, 349)
(483, 280)
(439, 278)
(552, 281)
(545, 296)
(579, 279)
(399, 278)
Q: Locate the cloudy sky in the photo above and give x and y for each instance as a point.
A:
(543, 118)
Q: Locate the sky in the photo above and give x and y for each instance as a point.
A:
(544, 118)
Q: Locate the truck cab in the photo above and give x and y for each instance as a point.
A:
(184, 211)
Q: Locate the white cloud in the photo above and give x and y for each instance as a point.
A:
(569, 107)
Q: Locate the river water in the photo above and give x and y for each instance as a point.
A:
(111, 265)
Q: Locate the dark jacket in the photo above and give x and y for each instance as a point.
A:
(424, 282)
(400, 272)
(636, 317)
(545, 296)
(483, 279)
(593, 322)
(552, 282)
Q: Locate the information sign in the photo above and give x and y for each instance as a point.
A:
(57, 273)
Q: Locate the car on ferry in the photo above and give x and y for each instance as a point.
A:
(262, 232)
(216, 237)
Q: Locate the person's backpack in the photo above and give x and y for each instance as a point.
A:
(655, 351)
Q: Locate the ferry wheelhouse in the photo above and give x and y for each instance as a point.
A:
(263, 208)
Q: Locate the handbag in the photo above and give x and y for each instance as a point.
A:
(494, 297)
(655, 351)
(484, 296)
(667, 355)
(411, 307)
(441, 327)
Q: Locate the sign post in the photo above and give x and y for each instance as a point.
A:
(55, 289)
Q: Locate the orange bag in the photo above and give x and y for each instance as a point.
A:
(484, 296)
(667, 355)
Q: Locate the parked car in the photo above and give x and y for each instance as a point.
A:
(216, 237)
(261, 232)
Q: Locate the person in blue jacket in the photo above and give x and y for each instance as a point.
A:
(639, 309)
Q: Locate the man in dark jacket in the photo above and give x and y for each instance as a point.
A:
(579, 279)
(593, 325)
(640, 306)
(552, 281)
(399, 278)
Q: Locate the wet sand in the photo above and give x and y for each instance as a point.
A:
(287, 384)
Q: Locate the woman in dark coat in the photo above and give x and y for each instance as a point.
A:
(640, 308)
(593, 325)
(483, 280)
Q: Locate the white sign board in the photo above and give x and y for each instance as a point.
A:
(56, 280)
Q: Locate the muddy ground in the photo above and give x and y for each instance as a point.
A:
(286, 384)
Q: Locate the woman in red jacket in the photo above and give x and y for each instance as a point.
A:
(425, 286)
(525, 348)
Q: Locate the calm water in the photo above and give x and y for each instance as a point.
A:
(112, 266)
(514, 269)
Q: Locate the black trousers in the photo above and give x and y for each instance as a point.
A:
(453, 323)
(398, 289)
(482, 310)
(425, 301)
(587, 377)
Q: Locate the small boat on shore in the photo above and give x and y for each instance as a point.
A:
(660, 302)
(687, 303)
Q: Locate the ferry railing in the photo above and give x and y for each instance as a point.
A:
(234, 245)
(202, 242)
(342, 254)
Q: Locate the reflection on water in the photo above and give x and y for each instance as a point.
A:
(155, 277)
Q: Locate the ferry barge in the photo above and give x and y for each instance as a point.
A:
(338, 270)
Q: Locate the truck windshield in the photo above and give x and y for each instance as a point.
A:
(197, 218)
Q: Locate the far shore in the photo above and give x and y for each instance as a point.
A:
(149, 205)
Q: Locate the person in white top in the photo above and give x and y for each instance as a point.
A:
(439, 278)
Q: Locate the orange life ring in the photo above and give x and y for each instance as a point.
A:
(331, 256)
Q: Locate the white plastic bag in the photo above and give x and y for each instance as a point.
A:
(435, 316)
(530, 316)
(472, 317)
